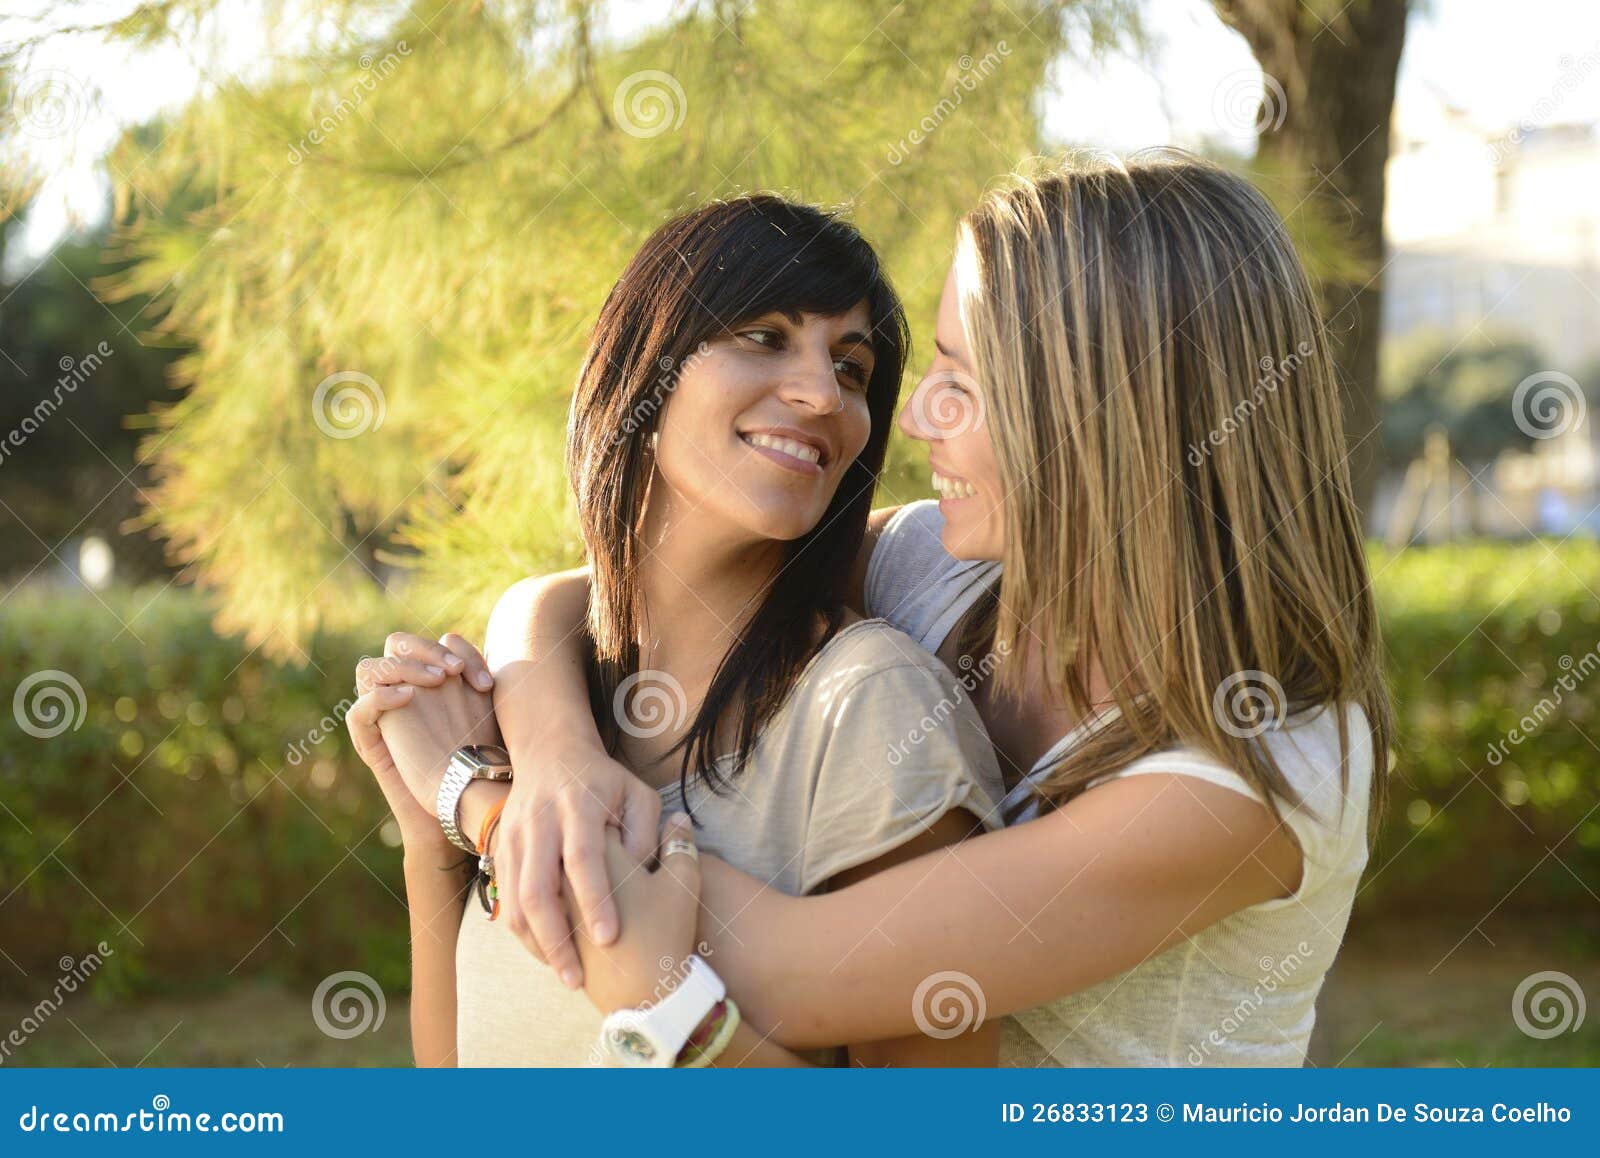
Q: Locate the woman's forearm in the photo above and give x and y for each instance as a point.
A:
(1027, 914)
(435, 896)
(535, 648)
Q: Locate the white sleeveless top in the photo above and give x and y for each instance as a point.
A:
(1240, 993)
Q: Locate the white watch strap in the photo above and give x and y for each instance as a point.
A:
(668, 1023)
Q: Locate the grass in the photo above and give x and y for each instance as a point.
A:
(1402, 994)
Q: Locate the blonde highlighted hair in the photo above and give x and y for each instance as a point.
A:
(1164, 409)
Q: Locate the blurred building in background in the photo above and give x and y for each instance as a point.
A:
(1497, 233)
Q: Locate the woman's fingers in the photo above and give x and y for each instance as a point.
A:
(583, 853)
(641, 822)
(372, 673)
(410, 645)
(540, 915)
(362, 721)
(475, 669)
(680, 860)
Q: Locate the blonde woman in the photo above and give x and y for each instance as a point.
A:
(1134, 427)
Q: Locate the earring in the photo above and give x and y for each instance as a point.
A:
(655, 439)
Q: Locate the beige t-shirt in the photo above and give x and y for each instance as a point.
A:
(876, 741)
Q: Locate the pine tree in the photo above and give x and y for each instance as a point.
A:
(400, 236)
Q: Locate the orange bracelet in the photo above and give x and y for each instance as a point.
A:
(491, 821)
(488, 823)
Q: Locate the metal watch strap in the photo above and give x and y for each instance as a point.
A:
(466, 765)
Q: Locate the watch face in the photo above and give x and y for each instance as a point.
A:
(632, 1047)
(492, 755)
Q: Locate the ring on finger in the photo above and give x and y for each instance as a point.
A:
(678, 844)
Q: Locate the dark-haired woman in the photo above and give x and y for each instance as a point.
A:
(726, 433)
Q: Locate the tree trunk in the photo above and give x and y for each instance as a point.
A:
(1338, 73)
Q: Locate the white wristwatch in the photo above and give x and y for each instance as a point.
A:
(655, 1035)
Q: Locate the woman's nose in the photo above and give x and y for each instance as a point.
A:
(909, 421)
(812, 382)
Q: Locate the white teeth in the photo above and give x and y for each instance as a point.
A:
(786, 446)
(952, 488)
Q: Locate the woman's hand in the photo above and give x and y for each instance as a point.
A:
(551, 850)
(423, 734)
(659, 911)
(411, 660)
(419, 828)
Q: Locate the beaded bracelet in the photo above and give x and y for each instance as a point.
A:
(701, 1056)
(488, 889)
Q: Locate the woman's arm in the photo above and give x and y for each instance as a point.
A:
(436, 896)
(1030, 913)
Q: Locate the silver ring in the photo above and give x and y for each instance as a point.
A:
(679, 845)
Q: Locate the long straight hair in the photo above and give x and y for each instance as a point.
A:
(697, 277)
(1165, 413)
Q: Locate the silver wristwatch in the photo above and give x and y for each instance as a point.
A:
(472, 762)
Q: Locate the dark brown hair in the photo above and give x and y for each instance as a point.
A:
(698, 276)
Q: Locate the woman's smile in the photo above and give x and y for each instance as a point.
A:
(791, 449)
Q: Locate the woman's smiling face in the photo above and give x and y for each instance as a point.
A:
(947, 411)
(764, 421)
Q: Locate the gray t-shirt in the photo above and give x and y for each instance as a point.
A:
(876, 741)
(1243, 991)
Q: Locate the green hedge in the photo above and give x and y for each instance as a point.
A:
(207, 818)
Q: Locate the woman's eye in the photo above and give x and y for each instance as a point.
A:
(767, 338)
(851, 369)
